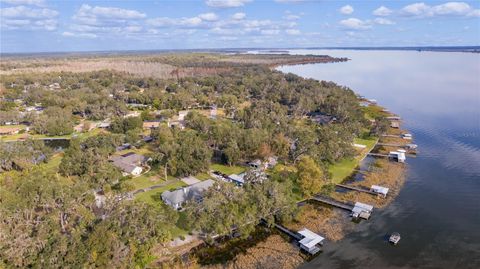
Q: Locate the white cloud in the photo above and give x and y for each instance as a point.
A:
(100, 15)
(239, 16)
(292, 31)
(382, 11)
(208, 16)
(355, 24)
(417, 9)
(84, 35)
(270, 32)
(383, 21)
(90, 21)
(346, 10)
(446, 9)
(226, 3)
(292, 17)
(474, 13)
(452, 8)
(175, 22)
(26, 12)
(39, 3)
(22, 17)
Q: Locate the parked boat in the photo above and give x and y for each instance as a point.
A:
(394, 238)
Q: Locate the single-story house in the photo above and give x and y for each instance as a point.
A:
(151, 124)
(178, 197)
(130, 163)
(310, 241)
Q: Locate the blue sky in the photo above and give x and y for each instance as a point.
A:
(71, 25)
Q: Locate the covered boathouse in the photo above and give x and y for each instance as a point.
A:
(361, 210)
(310, 241)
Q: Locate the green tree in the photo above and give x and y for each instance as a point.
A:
(310, 176)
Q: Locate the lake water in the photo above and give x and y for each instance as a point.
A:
(438, 211)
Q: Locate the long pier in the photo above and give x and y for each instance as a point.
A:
(391, 145)
(389, 135)
(356, 189)
(377, 155)
(332, 202)
(294, 235)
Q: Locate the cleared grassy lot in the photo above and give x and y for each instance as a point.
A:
(234, 169)
(153, 196)
(341, 170)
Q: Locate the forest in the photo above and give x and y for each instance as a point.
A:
(51, 217)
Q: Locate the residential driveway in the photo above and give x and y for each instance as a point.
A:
(190, 180)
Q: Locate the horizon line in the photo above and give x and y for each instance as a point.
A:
(427, 47)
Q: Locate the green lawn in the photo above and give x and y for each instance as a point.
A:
(21, 126)
(40, 136)
(153, 196)
(345, 168)
(342, 169)
(370, 142)
(151, 178)
(203, 176)
(228, 170)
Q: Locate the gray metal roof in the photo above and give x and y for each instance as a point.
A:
(194, 191)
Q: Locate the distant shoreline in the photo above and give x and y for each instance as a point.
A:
(470, 49)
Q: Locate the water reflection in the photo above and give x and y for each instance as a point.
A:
(437, 212)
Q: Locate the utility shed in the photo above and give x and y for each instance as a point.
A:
(310, 241)
(380, 190)
(361, 210)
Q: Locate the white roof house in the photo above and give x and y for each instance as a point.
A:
(310, 240)
(239, 179)
(362, 210)
(380, 190)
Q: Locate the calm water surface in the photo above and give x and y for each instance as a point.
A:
(438, 211)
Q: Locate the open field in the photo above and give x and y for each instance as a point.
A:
(228, 170)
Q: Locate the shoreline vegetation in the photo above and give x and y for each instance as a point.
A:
(268, 248)
(177, 119)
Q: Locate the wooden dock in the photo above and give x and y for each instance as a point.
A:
(378, 155)
(357, 189)
(391, 145)
(331, 202)
(389, 135)
(286, 231)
